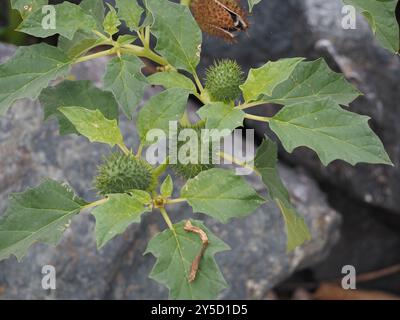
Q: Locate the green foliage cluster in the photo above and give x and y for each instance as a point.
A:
(312, 99)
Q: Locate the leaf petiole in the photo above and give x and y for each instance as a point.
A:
(173, 201)
(257, 118)
(167, 219)
(100, 35)
(124, 148)
(145, 53)
(161, 168)
(139, 151)
(95, 204)
(236, 161)
(198, 82)
(147, 37)
(249, 105)
(96, 55)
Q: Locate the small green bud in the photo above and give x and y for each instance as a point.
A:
(223, 80)
(120, 173)
(190, 170)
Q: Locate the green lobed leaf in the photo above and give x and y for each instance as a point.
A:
(310, 81)
(115, 215)
(126, 39)
(162, 108)
(94, 8)
(39, 214)
(20, 78)
(69, 19)
(27, 7)
(333, 133)
(171, 79)
(125, 80)
(175, 250)
(80, 44)
(167, 187)
(221, 194)
(111, 21)
(220, 116)
(83, 41)
(179, 36)
(130, 12)
(263, 80)
(93, 125)
(72, 93)
(142, 196)
(265, 163)
(148, 19)
(381, 15)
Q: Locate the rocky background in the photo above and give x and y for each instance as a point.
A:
(352, 211)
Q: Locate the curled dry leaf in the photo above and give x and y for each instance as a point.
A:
(204, 239)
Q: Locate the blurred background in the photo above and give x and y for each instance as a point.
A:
(353, 212)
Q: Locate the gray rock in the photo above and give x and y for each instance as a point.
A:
(368, 242)
(31, 150)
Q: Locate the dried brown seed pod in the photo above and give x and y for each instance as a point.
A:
(221, 18)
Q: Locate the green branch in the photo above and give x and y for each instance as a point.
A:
(143, 52)
(95, 204)
(167, 219)
(96, 55)
(257, 118)
(250, 105)
(238, 162)
(173, 201)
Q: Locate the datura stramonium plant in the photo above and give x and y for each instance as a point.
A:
(313, 114)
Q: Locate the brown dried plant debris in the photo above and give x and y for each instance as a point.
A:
(204, 239)
(220, 18)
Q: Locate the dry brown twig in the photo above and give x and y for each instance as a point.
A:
(204, 239)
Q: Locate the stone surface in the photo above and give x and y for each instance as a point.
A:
(312, 28)
(31, 150)
(369, 241)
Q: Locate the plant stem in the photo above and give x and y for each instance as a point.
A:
(167, 219)
(238, 162)
(147, 37)
(96, 55)
(100, 35)
(257, 118)
(249, 105)
(185, 121)
(173, 201)
(145, 53)
(124, 148)
(95, 204)
(139, 151)
(161, 168)
(198, 82)
(141, 36)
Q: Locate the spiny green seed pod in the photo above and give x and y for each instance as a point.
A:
(190, 170)
(223, 80)
(120, 173)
